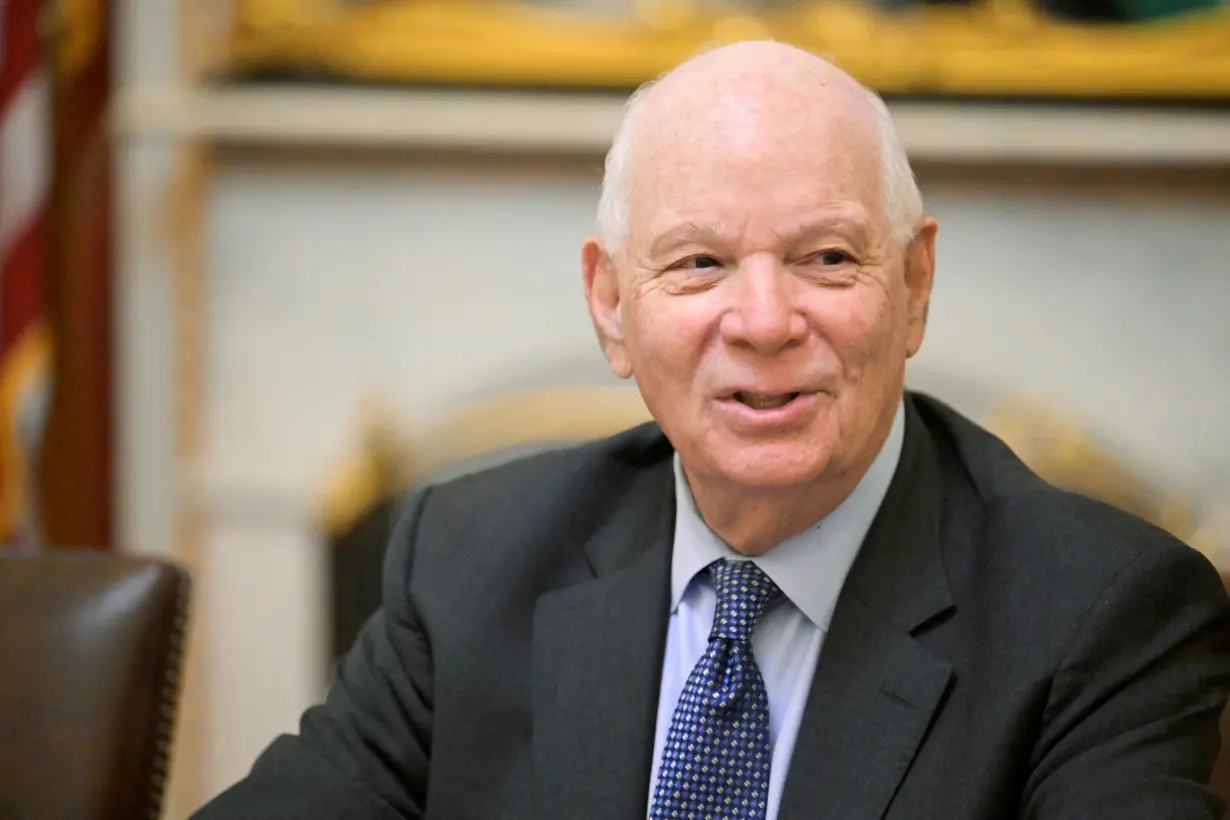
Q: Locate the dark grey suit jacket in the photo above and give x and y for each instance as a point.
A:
(1001, 649)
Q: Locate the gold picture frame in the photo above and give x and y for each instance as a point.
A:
(990, 48)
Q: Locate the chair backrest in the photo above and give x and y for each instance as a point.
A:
(90, 649)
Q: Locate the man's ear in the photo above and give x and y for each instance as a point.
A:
(602, 296)
(919, 273)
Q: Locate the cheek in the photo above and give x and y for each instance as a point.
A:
(858, 327)
(666, 339)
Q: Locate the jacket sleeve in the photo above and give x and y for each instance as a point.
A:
(1131, 726)
(364, 754)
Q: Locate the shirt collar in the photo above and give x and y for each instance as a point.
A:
(809, 568)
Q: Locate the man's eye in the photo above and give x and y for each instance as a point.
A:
(699, 262)
(833, 258)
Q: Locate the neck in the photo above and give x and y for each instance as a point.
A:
(752, 523)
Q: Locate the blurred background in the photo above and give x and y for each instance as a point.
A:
(268, 264)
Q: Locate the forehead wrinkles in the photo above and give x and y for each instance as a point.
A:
(797, 151)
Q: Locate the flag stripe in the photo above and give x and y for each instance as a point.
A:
(22, 47)
(25, 156)
(25, 225)
(21, 289)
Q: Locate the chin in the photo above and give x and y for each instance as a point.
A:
(771, 465)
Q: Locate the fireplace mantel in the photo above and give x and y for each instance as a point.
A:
(559, 122)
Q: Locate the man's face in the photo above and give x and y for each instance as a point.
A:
(759, 301)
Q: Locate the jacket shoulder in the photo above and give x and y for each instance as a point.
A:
(1039, 534)
(554, 472)
(536, 512)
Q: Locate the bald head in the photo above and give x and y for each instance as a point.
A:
(755, 97)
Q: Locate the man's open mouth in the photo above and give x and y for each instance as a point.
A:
(758, 401)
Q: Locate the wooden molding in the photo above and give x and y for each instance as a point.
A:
(542, 122)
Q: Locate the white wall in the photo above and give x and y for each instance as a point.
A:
(429, 280)
(1110, 298)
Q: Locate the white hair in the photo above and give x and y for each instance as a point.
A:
(902, 199)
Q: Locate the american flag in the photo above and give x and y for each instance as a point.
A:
(25, 226)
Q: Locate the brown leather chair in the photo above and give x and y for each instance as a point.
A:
(90, 647)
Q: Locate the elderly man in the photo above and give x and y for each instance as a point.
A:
(801, 593)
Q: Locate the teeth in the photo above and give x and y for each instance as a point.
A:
(765, 402)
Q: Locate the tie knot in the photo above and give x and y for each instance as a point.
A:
(744, 592)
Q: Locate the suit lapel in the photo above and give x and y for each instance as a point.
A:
(597, 654)
(876, 689)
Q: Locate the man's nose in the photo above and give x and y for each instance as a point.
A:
(763, 313)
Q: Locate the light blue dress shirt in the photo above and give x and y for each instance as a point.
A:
(809, 568)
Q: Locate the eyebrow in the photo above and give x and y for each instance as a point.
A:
(682, 234)
(859, 230)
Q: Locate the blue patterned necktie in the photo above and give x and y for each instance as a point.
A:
(717, 755)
